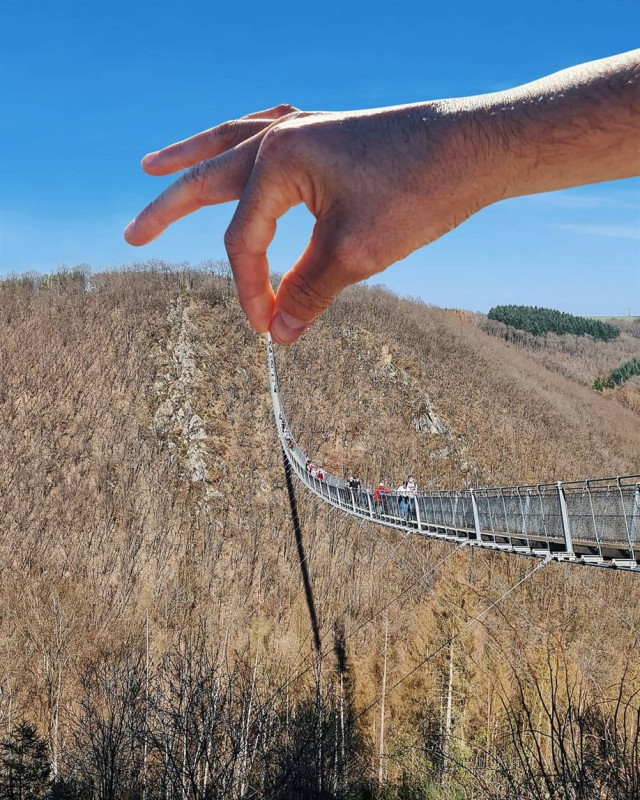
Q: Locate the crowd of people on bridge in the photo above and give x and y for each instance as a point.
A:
(405, 493)
(315, 472)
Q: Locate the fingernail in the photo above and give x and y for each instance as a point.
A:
(149, 157)
(128, 229)
(286, 328)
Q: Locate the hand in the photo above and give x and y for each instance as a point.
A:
(380, 184)
(384, 182)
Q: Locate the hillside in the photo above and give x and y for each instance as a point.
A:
(153, 627)
(579, 358)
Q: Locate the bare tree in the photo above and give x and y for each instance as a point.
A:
(109, 729)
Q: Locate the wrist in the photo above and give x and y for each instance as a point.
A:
(465, 148)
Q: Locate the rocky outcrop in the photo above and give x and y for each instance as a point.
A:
(425, 419)
(174, 419)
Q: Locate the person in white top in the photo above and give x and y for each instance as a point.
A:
(403, 499)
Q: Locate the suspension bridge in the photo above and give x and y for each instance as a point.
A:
(592, 522)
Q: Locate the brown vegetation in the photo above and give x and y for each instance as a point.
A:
(142, 494)
(579, 358)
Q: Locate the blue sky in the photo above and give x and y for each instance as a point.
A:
(87, 88)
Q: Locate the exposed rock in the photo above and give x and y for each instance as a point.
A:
(196, 464)
(387, 373)
(385, 358)
(426, 419)
(174, 417)
(195, 428)
(163, 416)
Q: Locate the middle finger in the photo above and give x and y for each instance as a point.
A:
(206, 144)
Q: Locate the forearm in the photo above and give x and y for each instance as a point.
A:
(578, 126)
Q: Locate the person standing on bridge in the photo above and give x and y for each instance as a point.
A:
(412, 488)
(353, 484)
(403, 500)
(386, 181)
(380, 499)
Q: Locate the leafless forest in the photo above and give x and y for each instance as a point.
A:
(154, 637)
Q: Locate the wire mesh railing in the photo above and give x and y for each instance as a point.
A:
(595, 522)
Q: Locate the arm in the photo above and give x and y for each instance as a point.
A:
(578, 126)
(384, 182)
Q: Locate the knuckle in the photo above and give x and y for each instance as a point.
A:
(308, 295)
(233, 242)
(196, 179)
(278, 140)
(294, 116)
(285, 108)
(227, 131)
(158, 214)
(351, 260)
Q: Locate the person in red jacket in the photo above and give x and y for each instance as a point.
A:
(380, 499)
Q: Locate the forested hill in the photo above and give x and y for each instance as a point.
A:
(153, 629)
(539, 321)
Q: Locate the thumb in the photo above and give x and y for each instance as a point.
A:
(312, 284)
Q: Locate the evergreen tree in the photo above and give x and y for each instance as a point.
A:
(618, 376)
(539, 321)
(24, 765)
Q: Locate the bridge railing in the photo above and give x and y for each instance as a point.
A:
(595, 521)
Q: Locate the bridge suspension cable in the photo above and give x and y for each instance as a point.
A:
(594, 522)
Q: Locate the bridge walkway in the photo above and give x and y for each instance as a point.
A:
(593, 522)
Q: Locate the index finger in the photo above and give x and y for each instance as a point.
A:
(268, 195)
